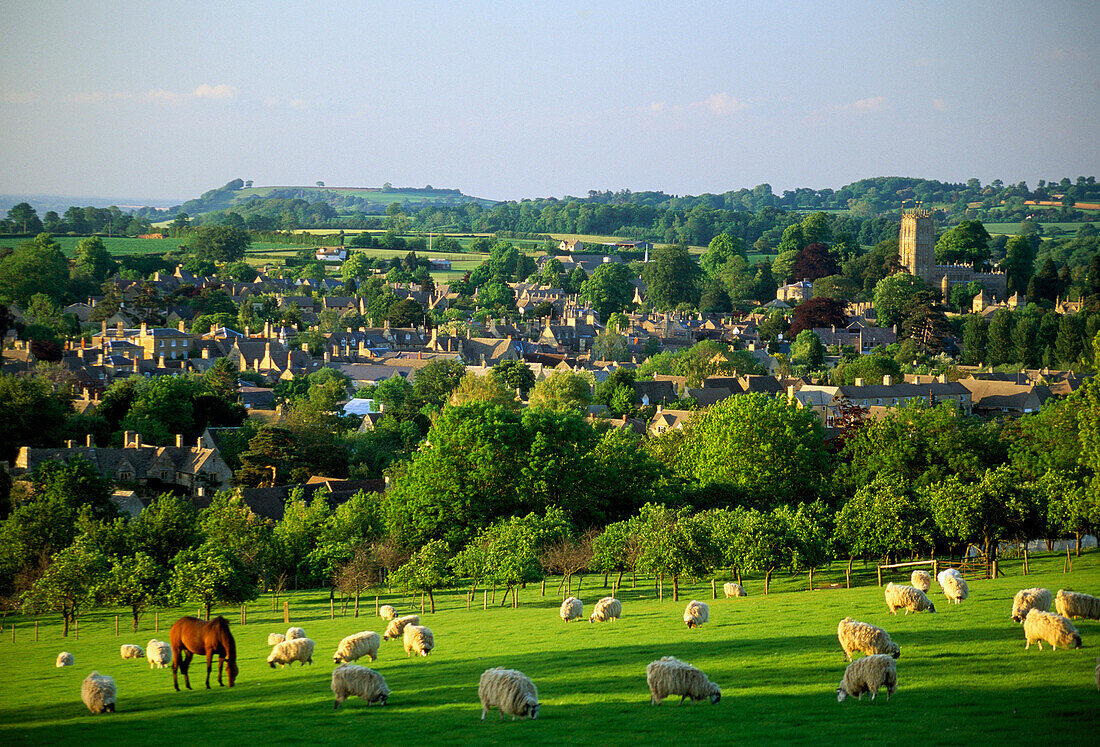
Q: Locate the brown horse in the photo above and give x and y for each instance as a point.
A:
(191, 636)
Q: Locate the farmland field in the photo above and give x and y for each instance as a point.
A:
(964, 675)
(122, 246)
(1049, 229)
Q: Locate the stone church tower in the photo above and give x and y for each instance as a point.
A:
(917, 245)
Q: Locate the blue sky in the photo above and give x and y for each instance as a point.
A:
(511, 100)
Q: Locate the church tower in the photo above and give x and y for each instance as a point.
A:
(917, 244)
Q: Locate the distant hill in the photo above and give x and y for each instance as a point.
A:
(235, 196)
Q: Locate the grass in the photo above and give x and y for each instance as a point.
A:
(122, 246)
(1049, 229)
(963, 674)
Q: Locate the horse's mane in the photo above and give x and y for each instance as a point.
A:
(221, 625)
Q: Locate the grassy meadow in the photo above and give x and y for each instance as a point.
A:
(963, 673)
(123, 246)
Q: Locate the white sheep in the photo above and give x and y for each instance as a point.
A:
(397, 626)
(159, 653)
(955, 588)
(921, 580)
(273, 638)
(357, 645)
(868, 675)
(696, 613)
(387, 612)
(292, 633)
(1030, 599)
(99, 693)
(869, 639)
(418, 639)
(1075, 604)
(608, 608)
(942, 575)
(670, 676)
(292, 650)
(64, 659)
(1056, 630)
(511, 691)
(571, 609)
(733, 590)
(130, 651)
(352, 679)
(912, 599)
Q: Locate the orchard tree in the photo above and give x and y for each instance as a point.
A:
(166, 527)
(999, 506)
(882, 520)
(135, 581)
(513, 547)
(764, 543)
(209, 574)
(675, 542)
(70, 584)
(618, 548)
(426, 571)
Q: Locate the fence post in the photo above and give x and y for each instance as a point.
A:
(879, 569)
(13, 632)
(994, 576)
(156, 621)
(935, 568)
(36, 630)
(331, 609)
(485, 599)
(713, 589)
(116, 626)
(286, 612)
(76, 628)
(544, 587)
(376, 605)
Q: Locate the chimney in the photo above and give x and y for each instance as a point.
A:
(206, 353)
(182, 328)
(859, 382)
(144, 329)
(103, 330)
(68, 443)
(659, 409)
(887, 380)
(200, 492)
(328, 357)
(790, 392)
(267, 329)
(179, 440)
(305, 347)
(137, 365)
(118, 330)
(89, 441)
(198, 442)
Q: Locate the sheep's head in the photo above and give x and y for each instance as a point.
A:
(383, 698)
(690, 623)
(271, 662)
(715, 696)
(531, 710)
(1077, 640)
(931, 607)
(841, 694)
(895, 650)
(109, 708)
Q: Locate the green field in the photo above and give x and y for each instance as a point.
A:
(963, 674)
(1049, 229)
(120, 247)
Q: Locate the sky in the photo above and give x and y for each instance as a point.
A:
(531, 99)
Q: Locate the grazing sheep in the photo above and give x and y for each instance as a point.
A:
(912, 599)
(357, 645)
(292, 650)
(608, 608)
(64, 659)
(98, 693)
(696, 613)
(869, 639)
(1030, 599)
(942, 576)
(1056, 630)
(292, 633)
(867, 675)
(511, 691)
(397, 626)
(387, 612)
(352, 679)
(418, 639)
(955, 588)
(921, 580)
(670, 676)
(571, 609)
(733, 590)
(130, 651)
(273, 638)
(1074, 604)
(159, 653)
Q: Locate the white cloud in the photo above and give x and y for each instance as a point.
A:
(163, 96)
(17, 98)
(723, 104)
(863, 106)
(939, 105)
(220, 91)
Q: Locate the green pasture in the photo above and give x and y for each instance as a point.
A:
(1049, 229)
(123, 246)
(963, 675)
